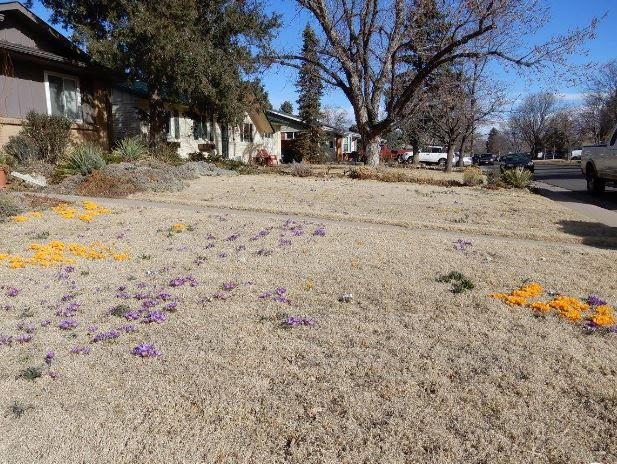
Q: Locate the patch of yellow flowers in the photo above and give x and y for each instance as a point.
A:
(570, 308)
(91, 210)
(57, 252)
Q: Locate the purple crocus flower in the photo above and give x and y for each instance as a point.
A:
(461, 244)
(12, 292)
(67, 324)
(6, 340)
(266, 294)
(23, 338)
(591, 326)
(49, 357)
(45, 323)
(222, 254)
(171, 306)
(179, 281)
(164, 296)
(264, 252)
(69, 269)
(149, 304)
(220, 295)
(129, 328)
(294, 321)
(210, 237)
(595, 300)
(132, 315)
(233, 237)
(297, 231)
(146, 350)
(155, 316)
(320, 231)
(280, 291)
(141, 285)
(123, 295)
(229, 286)
(53, 375)
(109, 335)
(80, 350)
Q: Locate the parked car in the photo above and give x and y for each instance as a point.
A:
(599, 164)
(576, 155)
(433, 154)
(484, 159)
(516, 160)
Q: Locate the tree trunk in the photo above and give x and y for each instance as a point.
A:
(372, 149)
(450, 158)
(416, 154)
(156, 121)
(461, 162)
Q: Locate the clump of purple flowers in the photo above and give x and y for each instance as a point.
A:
(320, 231)
(132, 315)
(294, 321)
(129, 328)
(233, 237)
(80, 350)
(6, 340)
(171, 306)
(220, 295)
(12, 292)
(109, 335)
(179, 281)
(146, 350)
(595, 300)
(49, 357)
(297, 231)
(222, 254)
(229, 286)
(265, 294)
(155, 316)
(45, 323)
(264, 252)
(461, 244)
(23, 338)
(67, 324)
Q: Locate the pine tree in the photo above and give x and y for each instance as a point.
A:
(287, 107)
(310, 145)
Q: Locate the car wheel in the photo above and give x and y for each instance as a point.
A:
(442, 162)
(595, 185)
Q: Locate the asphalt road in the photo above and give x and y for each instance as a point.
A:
(570, 177)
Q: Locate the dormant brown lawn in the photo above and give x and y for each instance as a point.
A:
(406, 372)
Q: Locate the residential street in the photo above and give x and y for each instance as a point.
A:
(570, 177)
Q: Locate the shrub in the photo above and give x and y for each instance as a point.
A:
(167, 153)
(22, 148)
(362, 173)
(83, 159)
(460, 283)
(130, 149)
(300, 170)
(50, 134)
(472, 175)
(9, 206)
(518, 178)
(7, 160)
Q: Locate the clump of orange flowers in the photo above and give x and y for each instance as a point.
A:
(570, 308)
(91, 210)
(57, 252)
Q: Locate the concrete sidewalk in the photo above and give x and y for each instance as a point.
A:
(566, 198)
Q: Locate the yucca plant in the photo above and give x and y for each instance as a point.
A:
(130, 149)
(518, 178)
(82, 159)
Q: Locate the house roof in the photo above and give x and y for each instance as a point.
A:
(279, 117)
(79, 57)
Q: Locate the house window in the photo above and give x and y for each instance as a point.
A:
(331, 143)
(246, 134)
(200, 128)
(268, 135)
(346, 148)
(63, 96)
(177, 125)
(289, 135)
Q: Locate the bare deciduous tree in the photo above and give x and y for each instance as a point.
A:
(531, 119)
(336, 117)
(365, 48)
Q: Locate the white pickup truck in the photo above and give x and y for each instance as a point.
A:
(433, 154)
(599, 164)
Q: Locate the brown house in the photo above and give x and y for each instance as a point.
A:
(42, 71)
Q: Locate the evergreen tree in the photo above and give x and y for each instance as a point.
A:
(196, 51)
(310, 145)
(287, 107)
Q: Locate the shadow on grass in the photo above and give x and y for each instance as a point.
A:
(593, 234)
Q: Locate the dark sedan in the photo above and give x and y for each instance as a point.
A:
(484, 159)
(516, 161)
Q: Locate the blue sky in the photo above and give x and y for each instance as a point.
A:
(565, 15)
